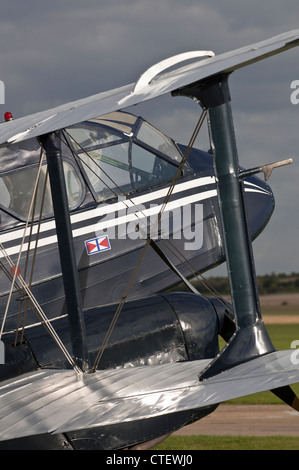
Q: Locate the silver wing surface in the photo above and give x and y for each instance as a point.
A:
(99, 104)
(51, 401)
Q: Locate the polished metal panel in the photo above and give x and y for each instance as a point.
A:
(51, 401)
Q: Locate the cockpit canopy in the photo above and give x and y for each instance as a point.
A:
(116, 154)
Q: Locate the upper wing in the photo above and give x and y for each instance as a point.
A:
(51, 401)
(97, 105)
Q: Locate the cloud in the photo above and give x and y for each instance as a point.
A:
(58, 51)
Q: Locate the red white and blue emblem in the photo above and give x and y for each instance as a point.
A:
(97, 244)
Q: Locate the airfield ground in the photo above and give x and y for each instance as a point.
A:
(246, 420)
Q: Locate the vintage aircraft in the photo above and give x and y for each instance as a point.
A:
(101, 213)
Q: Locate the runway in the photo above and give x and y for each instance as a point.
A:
(247, 420)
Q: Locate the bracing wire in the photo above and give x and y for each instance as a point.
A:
(148, 241)
(22, 286)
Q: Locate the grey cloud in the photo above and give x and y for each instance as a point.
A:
(53, 52)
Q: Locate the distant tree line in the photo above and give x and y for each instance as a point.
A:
(267, 284)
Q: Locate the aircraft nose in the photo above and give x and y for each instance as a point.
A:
(260, 204)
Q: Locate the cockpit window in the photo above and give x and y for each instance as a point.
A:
(118, 120)
(121, 154)
(124, 168)
(89, 137)
(108, 170)
(155, 139)
(16, 189)
(148, 169)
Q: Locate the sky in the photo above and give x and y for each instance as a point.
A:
(63, 50)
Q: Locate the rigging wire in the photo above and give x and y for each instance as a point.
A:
(25, 298)
(34, 254)
(41, 315)
(16, 268)
(23, 287)
(83, 162)
(148, 241)
(195, 273)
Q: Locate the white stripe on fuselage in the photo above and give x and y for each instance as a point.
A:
(105, 209)
(125, 204)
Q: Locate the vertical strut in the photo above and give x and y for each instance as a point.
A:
(233, 213)
(52, 145)
(251, 338)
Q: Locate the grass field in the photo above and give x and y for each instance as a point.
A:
(282, 337)
(229, 443)
(276, 311)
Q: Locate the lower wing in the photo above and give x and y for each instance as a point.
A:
(53, 401)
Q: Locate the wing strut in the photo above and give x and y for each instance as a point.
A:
(52, 145)
(251, 338)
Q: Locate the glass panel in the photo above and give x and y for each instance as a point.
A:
(74, 186)
(156, 139)
(16, 190)
(148, 168)
(108, 170)
(118, 120)
(90, 136)
(4, 194)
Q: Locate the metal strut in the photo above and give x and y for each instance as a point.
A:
(52, 145)
(251, 338)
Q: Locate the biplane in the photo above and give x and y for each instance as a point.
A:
(101, 215)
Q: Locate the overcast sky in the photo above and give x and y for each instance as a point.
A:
(58, 51)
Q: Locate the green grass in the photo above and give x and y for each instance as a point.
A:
(282, 337)
(229, 443)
